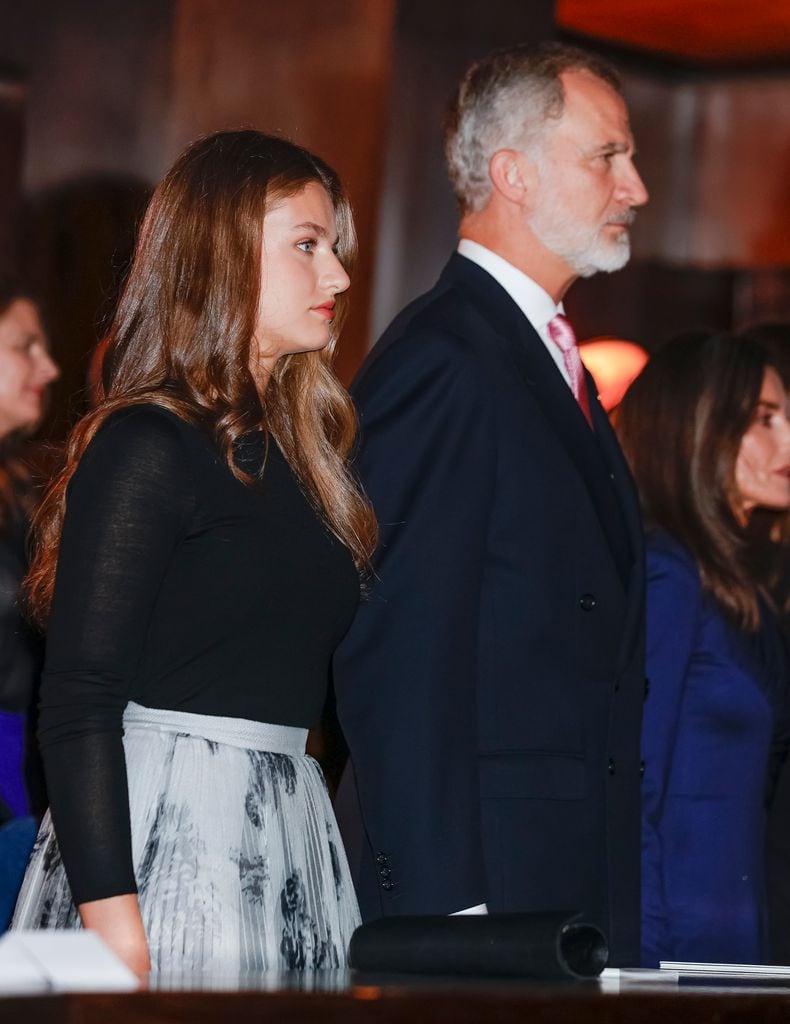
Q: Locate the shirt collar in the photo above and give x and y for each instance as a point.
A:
(534, 302)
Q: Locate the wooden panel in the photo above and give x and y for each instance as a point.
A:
(715, 156)
(319, 73)
(435, 42)
(742, 214)
(98, 86)
(12, 109)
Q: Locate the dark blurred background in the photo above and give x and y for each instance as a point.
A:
(97, 99)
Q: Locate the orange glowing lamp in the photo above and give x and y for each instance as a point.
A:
(614, 364)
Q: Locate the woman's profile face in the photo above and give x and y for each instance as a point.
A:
(300, 276)
(26, 367)
(762, 469)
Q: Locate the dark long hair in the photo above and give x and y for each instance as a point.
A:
(182, 336)
(681, 424)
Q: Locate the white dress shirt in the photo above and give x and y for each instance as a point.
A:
(535, 303)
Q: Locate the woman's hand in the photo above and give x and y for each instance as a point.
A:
(118, 922)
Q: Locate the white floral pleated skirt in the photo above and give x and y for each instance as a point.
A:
(238, 858)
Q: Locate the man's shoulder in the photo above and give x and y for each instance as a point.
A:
(445, 321)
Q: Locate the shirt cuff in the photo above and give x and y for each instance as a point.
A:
(481, 908)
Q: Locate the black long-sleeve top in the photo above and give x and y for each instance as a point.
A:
(19, 655)
(177, 587)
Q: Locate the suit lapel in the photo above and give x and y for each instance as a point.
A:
(589, 451)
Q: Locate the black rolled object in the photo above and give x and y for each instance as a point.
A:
(547, 946)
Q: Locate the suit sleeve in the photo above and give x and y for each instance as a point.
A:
(673, 606)
(405, 676)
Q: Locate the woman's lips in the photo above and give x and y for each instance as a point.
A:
(326, 310)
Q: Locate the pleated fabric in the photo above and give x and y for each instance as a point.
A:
(237, 855)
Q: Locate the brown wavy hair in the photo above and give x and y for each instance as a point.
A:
(681, 424)
(182, 337)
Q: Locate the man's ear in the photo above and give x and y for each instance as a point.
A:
(512, 175)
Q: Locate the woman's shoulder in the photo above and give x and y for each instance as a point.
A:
(144, 418)
(669, 560)
(146, 427)
(139, 441)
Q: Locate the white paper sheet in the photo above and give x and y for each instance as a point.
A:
(724, 971)
(61, 961)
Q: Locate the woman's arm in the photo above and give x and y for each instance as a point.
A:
(127, 507)
(673, 605)
(118, 922)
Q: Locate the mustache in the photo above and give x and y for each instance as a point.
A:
(626, 218)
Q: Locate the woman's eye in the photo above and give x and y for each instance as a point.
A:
(307, 245)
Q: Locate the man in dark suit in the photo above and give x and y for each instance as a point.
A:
(490, 689)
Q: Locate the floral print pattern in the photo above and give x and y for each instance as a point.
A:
(238, 859)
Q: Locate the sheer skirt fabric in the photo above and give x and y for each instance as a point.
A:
(237, 855)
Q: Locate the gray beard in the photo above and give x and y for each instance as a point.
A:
(584, 249)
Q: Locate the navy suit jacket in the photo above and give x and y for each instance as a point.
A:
(491, 687)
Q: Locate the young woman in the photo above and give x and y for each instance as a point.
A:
(705, 429)
(208, 541)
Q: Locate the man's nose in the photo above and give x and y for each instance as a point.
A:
(632, 188)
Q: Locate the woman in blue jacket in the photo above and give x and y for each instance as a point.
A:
(706, 431)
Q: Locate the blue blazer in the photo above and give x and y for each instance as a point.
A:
(706, 738)
(491, 687)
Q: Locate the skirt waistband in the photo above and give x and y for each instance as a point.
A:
(235, 732)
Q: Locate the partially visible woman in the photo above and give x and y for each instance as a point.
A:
(706, 432)
(26, 372)
(209, 539)
(774, 337)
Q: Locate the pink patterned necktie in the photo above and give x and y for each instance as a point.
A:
(561, 333)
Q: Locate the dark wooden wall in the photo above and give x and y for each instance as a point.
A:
(114, 91)
(107, 94)
(434, 42)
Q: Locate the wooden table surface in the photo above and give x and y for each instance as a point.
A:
(358, 1000)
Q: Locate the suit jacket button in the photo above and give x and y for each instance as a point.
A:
(381, 858)
(387, 886)
(610, 766)
(647, 686)
(641, 769)
(385, 872)
(587, 602)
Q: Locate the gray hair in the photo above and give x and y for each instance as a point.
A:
(504, 101)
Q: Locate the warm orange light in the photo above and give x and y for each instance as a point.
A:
(366, 992)
(613, 364)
